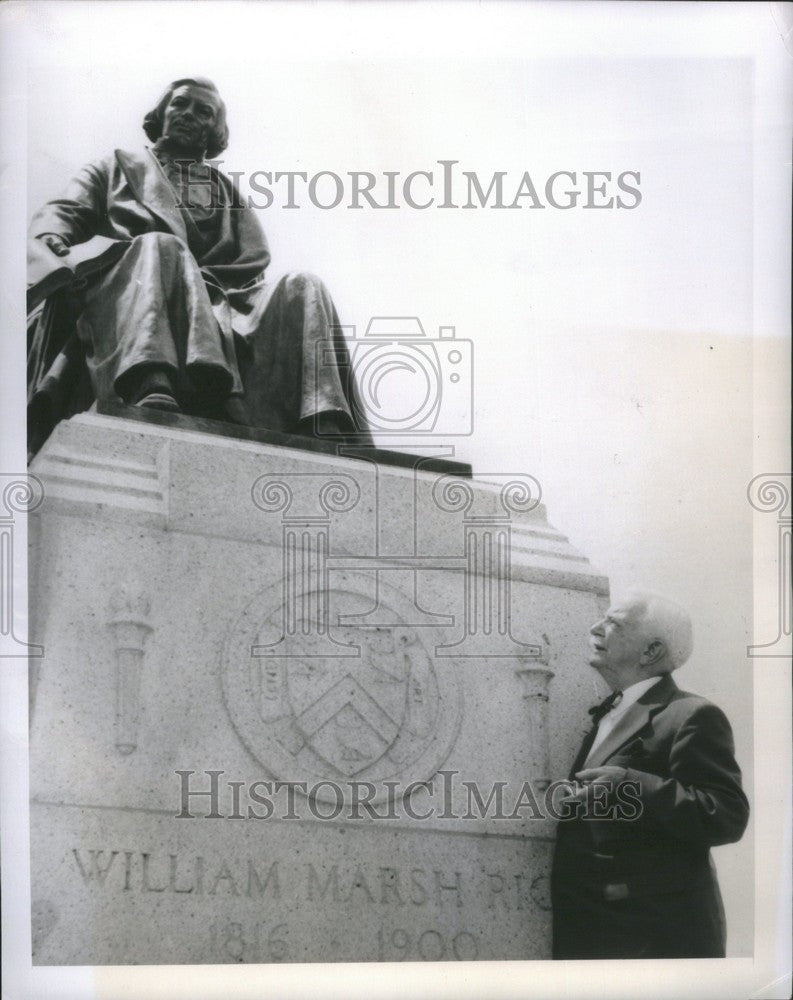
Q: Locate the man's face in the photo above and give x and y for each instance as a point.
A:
(618, 641)
(189, 117)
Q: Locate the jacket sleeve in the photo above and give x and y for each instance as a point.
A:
(701, 802)
(80, 213)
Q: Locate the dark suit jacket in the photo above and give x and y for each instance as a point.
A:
(646, 887)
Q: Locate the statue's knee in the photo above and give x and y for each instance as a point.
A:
(163, 242)
(299, 282)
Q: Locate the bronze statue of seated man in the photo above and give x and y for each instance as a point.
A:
(183, 319)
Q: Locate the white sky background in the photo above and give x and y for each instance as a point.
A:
(634, 361)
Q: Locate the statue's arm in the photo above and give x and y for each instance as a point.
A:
(79, 214)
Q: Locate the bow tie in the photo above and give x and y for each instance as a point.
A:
(605, 706)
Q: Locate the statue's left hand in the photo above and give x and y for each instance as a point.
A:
(56, 243)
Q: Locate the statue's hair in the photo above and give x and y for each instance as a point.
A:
(668, 622)
(219, 135)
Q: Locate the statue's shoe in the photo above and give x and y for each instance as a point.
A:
(159, 401)
(235, 412)
(331, 424)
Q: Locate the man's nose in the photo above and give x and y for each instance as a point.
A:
(597, 628)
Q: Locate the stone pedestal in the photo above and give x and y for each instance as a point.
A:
(294, 706)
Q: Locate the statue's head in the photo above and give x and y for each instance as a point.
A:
(188, 90)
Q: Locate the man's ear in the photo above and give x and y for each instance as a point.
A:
(654, 653)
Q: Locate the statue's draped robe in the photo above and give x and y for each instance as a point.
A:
(189, 293)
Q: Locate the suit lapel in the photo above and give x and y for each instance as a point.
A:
(152, 190)
(637, 716)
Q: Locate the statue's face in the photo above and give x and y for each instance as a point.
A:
(189, 118)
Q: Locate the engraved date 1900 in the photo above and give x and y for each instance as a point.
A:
(400, 945)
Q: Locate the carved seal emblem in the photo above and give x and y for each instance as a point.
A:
(351, 702)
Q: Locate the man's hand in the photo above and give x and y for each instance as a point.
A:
(56, 243)
(591, 781)
(604, 775)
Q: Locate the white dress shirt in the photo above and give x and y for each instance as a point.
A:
(630, 696)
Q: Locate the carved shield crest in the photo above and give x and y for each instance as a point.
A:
(354, 703)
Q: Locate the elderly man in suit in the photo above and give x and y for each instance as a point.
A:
(640, 883)
(184, 320)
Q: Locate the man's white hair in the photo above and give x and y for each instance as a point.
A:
(670, 623)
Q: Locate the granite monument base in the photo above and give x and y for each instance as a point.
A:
(294, 706)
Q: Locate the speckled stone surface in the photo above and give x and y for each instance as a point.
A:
(174, 581)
